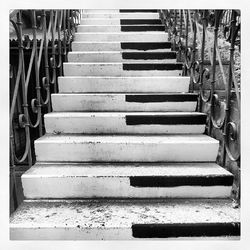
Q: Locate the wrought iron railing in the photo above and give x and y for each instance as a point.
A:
(208, 42)
(39, 42)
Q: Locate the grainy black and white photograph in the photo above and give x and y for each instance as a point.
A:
(125, 124)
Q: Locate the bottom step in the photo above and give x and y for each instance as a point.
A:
(124, 219)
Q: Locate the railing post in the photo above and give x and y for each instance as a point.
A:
(37, 101)
(216, 26)
(46, 79)
(204, 26)
(229, 83)
(25, 117)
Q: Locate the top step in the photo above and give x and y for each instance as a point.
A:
(132, 15)
(119, 21)
(119, 11)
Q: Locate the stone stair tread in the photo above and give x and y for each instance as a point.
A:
(124, 139)
(142, 180)
(120, 52)
(65, 170)
(127, 77)
(117, 25)
(144, 101)
(132, 93)
(122, 219)
(121, 84)
(125, 122)
(120, 114)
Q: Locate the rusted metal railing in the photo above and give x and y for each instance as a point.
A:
(195, 35)
(35, 64)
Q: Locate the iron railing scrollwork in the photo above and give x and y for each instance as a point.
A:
(33, 73)
(195, 35)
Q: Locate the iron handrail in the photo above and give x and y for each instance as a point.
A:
(45, 73)
(193, 42)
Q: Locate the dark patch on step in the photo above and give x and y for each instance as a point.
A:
(134, 28)
(152, 66)
(185, 230)
(162, 98)
(146, 46)
(137, 10)
(165, 119)
(149, 55)
(177, 181)
(140, 21)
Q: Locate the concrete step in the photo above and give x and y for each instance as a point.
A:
(121, 46)
(119, 28)
(138, 10)
(125, 123)
(149, 36)
(101, 11)
(126, 148)
(139, 15)
(122, 69)
(118, 56)
(179, 180)
(99, 84)
(124, 102)
(125, 220)
(118, 10)
(119, 21)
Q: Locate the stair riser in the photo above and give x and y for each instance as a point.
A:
(133, 219)
(121, 15)
(112, 187)
(120, 21)
(119, 28)
(114, 125)
(122, 57)
(123, 36)
(113, 69)
(109, 102)
(94, 151)
(101, 11)
(118, 11)
(91, 234)
(118, 46)
(122, 84)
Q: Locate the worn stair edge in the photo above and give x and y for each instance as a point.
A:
(196, 180)
(122, 69)
(97, 84)
(149, 36)
(124, 219)
(120, 28)
(124, 102)
(126, 148)
(115, 56)
(120, 46)
(120, 21)
(121, 15)
(125, 123)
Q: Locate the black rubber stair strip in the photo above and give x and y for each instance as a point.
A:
(140, 21)
(145, 45)
(149, 55)
(162, 98)
(152, 66)
(176, 181)
(134, 28)
(185, 230)
(166, 119)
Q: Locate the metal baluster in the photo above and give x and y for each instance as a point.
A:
(36, 103)
(46, 79)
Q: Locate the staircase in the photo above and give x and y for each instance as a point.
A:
(124, 155)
